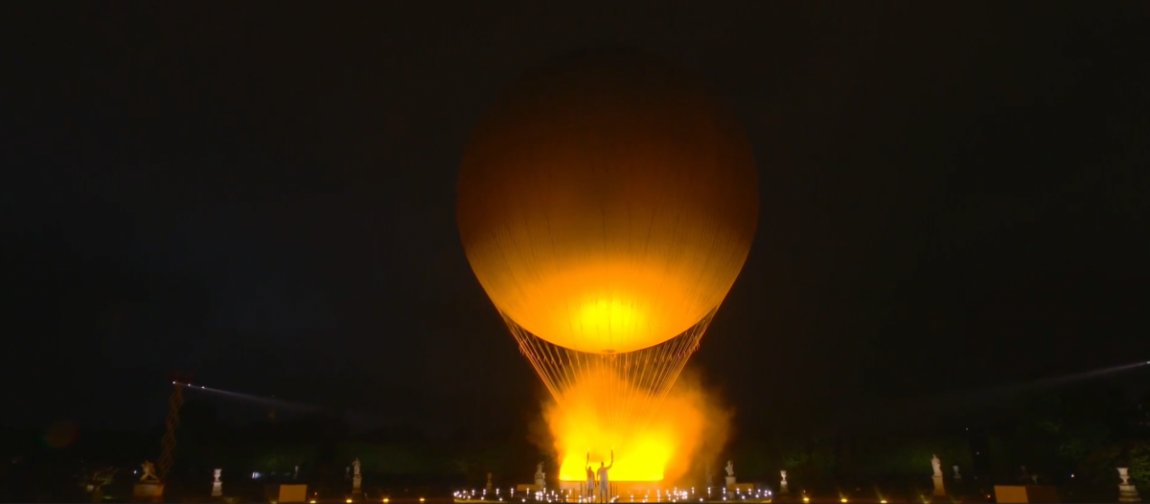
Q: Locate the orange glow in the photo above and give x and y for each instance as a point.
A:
(607, 308)
(663, 450)
(607, 228)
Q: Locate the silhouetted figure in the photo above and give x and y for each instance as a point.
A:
(604, 486)
(149, 472)
(590, 479)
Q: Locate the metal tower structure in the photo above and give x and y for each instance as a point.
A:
(172, 423)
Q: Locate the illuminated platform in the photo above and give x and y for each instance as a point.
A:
(623, 490)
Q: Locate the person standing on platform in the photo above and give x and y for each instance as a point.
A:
(604, 486)
(590, 493)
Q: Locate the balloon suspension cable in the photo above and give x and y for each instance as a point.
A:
(640, 381)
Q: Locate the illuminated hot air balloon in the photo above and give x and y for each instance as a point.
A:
(606, 204)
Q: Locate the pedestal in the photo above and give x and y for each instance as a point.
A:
(148, 492)
(217, 489)
(539, 483)
(939, 489)
(282, 494)
(528, 489)
(730, 481)
(783, 488)
(357, 485)
(1021, 494)
(1127, 493)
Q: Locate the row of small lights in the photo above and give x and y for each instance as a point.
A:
(384, 501)
(673, 495)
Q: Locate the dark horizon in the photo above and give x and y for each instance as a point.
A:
(952, 198)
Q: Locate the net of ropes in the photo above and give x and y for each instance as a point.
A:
(637, 381)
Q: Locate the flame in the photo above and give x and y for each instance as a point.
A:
(590, 420)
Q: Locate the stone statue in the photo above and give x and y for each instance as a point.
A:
(295, 474)
(957, 475)
(489, 484)
(730, 469)
(217, 485)
(149, 472)
(539, 471)
(934, 461)
(784, 475)
(357, 480)
(1126, 491)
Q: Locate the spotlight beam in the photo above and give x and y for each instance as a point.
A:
(1001, 393)
(266, 401)
(356, 417)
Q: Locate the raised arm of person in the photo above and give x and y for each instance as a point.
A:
(612, 459)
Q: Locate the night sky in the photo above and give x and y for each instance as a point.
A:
(263, 194)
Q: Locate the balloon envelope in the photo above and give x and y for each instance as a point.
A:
(606, 203)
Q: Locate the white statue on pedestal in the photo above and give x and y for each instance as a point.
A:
(357, 480)
(730, 468)
(217, 485)
(1126, 491)
(939, 489)
(783, 483)
(957, 475)
(149, 472)
(539, 474)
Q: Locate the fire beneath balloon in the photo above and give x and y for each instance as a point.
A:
(684, 428)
